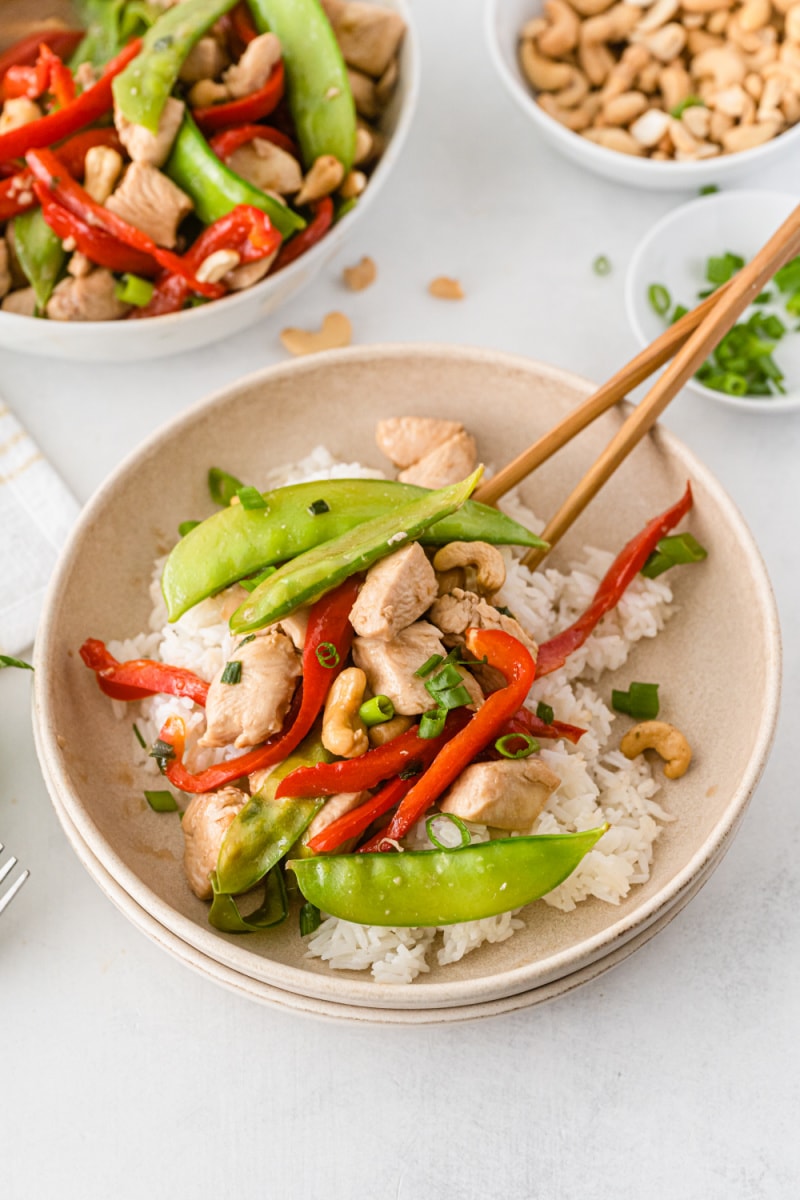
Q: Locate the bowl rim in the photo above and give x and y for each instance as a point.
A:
(313, 258)
(634, 305)
(680, 174)
(358, 991)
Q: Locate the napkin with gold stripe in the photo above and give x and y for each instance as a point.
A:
(37, 511)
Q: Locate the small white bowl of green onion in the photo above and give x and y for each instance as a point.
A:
(692, 251)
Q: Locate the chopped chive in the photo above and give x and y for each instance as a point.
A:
(413, 768)
(466, 836)
(132, 289)
(187, 527)
(660, 299)
(432, 722)
(252, 583)
(251, 637)
(309, 919)
(376, 711)
(162, 752)
(161, 802)
(429, 665)
(327, 655)
(680, 108)
(708, 189)
(524, 743)
(7, 661)
(138, 736)
(640, 701)
(545, 713)
(222, 486)
(318, 507)
(250, 498)
(601, 265)
(232, 672)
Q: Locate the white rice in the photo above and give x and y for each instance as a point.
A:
(598, 783)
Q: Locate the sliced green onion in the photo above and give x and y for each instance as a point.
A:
(788, 278)
(327, 655)
(251, 637)
(601, 265)
(138, 736)
(132, 289)
(680, 108)
(318, 507)
(232, 672)
(161, 801)
(660, 299)
(466, 836)
(250, 498)
(222, 486)
(640, 701)
(413, 768)
(528, 746)
(763, 298)
(376, 711)
(162, 752)
(429, 665)
(309, 919)
(545, 713)
(252, 583)
(7, 661)
(448, 677)
(502, 608)
(671, 551)
(432, 722)
(708, 189)
(187, 527)
(721, 268)
(793, 304)
(455, 697)
(680, 310)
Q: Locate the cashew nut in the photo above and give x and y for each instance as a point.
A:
(561, 34)
(336, 332)
(485, 568)
(614, 139)
(575, 92)
(103, 169)
(623, 109)
(722, 65)
(596, 61)
(676, 84)
(212, 269)
(650, 127)
(380, 734)
(444, 288)
(343, 731)
(576, 119)
(324, 177)
(542, 73)
(745, 137)
(361, 276)
(353, 185)
(665, 739)
(658, 15)
(665, 43)
(755, 14)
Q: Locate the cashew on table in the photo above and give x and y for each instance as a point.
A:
(665, 739)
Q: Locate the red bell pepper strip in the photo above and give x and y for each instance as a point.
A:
(26, 52)
(354, 823)
(509, 656)
(17, 194)
(624, 569)
(328, 625)
(525, 721)
(140, 677)
(227, 142)
(49, 74)
(250, 108)
(96, 244)
(87, 108)
(308, 237)
(66, 191)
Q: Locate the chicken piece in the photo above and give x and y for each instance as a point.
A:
(254, 67)
(144, 146)
(205, 823)
(247, 712)
(268, 167)
(368, 35)
(206, 60)
(397, 591)
(295, 626)
(506, 795)
(405, 440)
(22, 302)
(5, 270)
(151, 202)
(365, 94)
(449, 463)
(88, 298)
(390, 667)
(335, 807)
(458, 610)
(79, 265)
(18, 111)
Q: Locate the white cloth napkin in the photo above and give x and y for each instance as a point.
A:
(36, 513)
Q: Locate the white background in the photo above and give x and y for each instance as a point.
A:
(676, 1075)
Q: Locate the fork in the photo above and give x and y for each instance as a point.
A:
(5, 870)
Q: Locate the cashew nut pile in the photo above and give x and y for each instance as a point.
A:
(667, 79)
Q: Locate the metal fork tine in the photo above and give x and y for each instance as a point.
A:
(5, 869)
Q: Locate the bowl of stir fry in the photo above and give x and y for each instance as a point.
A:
(324, 725)
(172, 172)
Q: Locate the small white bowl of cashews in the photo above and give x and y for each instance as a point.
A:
(661, 94)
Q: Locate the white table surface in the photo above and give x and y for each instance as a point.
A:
(675, 1075)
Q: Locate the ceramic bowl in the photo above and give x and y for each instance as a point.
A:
(126, 341)
(100, 589)
(504, 20)
(674, 253)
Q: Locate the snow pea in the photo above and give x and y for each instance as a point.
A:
(441, 887)
(310, 575)
(142, 89)
(237, 542)
(213, 187)
(225, 915)
(319, 90)
(266, 828)
(110, 25)
(40, 252)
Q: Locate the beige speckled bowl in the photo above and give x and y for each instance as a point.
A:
(100, 590)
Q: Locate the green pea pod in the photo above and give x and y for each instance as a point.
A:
(267, 828)
(237, 542)
(41, 254)
(441, 887)
(225, 914)
(110, 25)
(215, 189)
(142, 89)
(319, 90)
(310, 575)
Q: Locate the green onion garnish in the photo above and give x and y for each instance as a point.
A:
(708, 189)
(7, 661)
(413, 768)
(187, 527)
(788, 278)
(793, 304)
(250, 498)
(376, 711)
(660, 299)
(162, 752)
(680, 108)
(455, 697)
(132, 289)
(161, 801)
(640, 701)
(601, 265)
(429, 665)
(251, 637)
(679, 311)
(719, 269)
(524, 743)
(448, 677)
(432, 722)
(466, 836)
(763, 298)
(232, 672)
(327, 655)
(318, 507)
(309, 919)
(671, 551)
(545, 713)
(252, 583)
(222, 486)
(138, 736)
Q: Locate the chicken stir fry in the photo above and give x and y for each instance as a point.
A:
(175, 153)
